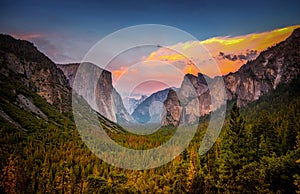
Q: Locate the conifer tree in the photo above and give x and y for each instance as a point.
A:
(263, 134)
(191, 170)
(234, 152)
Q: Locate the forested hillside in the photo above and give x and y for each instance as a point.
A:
(257, 152)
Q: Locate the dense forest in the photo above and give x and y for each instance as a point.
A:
(258, 151)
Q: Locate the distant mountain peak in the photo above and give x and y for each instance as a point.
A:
(142, 112)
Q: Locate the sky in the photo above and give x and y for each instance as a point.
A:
(66, 30)
(230, 53)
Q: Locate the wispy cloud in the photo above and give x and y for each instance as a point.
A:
(169, 65)
(230, 53)
(28, 36)
(248, 55)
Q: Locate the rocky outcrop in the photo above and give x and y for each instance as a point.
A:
(7, 118)
(21, 60)
(277, 65)
(195, 99)
(27, 104)
(172, 104)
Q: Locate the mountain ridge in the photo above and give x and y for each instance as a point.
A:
(277, 65)
(21, 60)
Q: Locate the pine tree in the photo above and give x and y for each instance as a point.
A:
(234, 152)
(297, 182)
(44, 179)
(263, 132)
(63, 179)
(263, 149)
(191, 170)
(97, 185)
(251, 179)
(290, 133)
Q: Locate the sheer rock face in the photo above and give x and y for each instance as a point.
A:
(95, 85)
(277, 65)
(21, 60)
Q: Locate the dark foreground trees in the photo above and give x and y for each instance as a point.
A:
(249, 157)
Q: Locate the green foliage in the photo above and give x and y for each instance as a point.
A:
(256, 153)
(234, 153)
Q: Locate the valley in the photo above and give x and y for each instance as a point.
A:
(43, 151)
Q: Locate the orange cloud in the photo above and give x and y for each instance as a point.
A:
(167, 57)
(122, 72)
(190, 68)
(117, 73)
(230, 53)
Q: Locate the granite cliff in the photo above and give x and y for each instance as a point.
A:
(107, 101)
